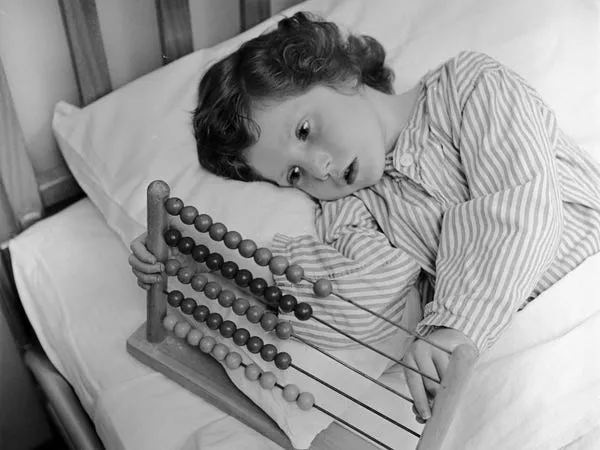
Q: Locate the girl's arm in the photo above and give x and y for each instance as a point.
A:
(358, 259)
(494, 247)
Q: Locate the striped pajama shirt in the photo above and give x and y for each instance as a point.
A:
(484, 204)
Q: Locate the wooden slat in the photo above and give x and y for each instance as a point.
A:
(253, 12)
(175, 29)
(20, 203)
(87, 49)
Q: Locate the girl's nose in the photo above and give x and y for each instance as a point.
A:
(319, 164)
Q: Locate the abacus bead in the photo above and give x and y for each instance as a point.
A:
(294, 273)
(174, 298)
(305, 401)
(262, 256)
(172, 266)
(214, 321)
(214, 261)
(243, 277)
(268, 352)
(268, 321)
(267, 380)
(240, 306)
(233, 360)
(220, 351)
(194, 336)
(290, 392)
(226, 298)
(283, 360)
(241, 336)
(182, 328)
(172, 237)
(185, 274)
(227, 328)
(212, 289)
(198, 282)
(322, 288)
(207, 343)
(284, 330)
(303, 311)
(188, 214)
(200, 253)
(169, 322)
(272, 294)
(188, 305)
(287, 303)
(252, 372)
(258, 286)
(278, 265)
(254, 344)
(173, 205)
(203, 223)
(229, 269)
(186, 245)
(255, 313)
(247, 248)
(232, 239)
(200, 313)
(217, 231)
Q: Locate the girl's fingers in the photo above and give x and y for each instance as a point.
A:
(144, 286)
(139, 249)
(441, 361)
(417, 388)
(426, 365)
(144, 267)
(146, 278)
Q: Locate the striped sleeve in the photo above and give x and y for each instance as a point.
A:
(495, 247)
(363, 267)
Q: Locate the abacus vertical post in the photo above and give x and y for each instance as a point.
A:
(437, 433)
(158, 193)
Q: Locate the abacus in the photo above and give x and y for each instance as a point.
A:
(197, 362)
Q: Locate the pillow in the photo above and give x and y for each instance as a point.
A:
(142, 131)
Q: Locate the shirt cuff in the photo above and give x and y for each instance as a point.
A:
(434, 320)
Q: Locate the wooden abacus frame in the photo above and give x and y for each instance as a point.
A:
(203, 375)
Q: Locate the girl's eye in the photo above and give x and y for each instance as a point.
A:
(303, 131)
(294, 176)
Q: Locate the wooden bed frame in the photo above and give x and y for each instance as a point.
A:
(26, 198)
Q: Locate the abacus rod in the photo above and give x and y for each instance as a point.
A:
(370, 347)
(157, 222)
(349, 397)
(382, 317)
(354, 369)
(354, 428)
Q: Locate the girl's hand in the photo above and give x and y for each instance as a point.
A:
(143, 263)
(433, 362)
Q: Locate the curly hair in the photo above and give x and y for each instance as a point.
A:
(301, 52)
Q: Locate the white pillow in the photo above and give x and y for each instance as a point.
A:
(141, 132)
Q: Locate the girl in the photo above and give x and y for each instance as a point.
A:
(464, 186)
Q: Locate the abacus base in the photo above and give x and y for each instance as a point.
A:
(205, 377)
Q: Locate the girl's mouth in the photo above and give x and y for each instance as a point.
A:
(351, 171)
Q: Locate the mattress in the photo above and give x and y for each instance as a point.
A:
(83, 302)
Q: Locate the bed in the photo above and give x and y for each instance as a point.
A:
(73, 303)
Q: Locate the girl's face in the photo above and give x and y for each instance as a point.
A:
(327, 143)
